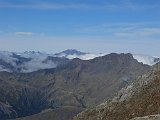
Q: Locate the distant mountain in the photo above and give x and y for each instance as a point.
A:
(141, 98)
(77, 85)
(30, 61)
(72, 53)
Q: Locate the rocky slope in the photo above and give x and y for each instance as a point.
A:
(139, 99)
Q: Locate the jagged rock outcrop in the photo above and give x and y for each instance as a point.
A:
(139, 99)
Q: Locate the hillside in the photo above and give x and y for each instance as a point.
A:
(139, 99)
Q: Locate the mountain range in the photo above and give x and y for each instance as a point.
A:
(31, 61)
(38, 86)
(67, 89)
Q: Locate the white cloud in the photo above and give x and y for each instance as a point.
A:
(24, 33)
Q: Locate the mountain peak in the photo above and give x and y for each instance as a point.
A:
(71, 52)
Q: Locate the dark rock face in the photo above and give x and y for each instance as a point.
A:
(30, 101)
(19, 100)
(141, 98)
(7, 111)
(78, 83)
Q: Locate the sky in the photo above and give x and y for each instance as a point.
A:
(95, 26)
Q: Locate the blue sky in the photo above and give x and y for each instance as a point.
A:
(87, 25)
